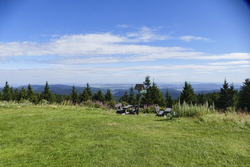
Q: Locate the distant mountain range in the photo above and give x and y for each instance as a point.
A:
(118, 90)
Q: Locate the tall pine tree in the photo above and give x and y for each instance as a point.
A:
(147, 97)
(124, 98)
(131, 98)
(188, 94)
(86, 94)
(15, 95)
(88, 89)
(7, 93)
(244, 95)
(46, 94)
(156, 95)
(22, 94)
(1, 95)
(108, 95)
(30, 92)
(98, 96)
(201, 98)
(227, 96)
(74, 95)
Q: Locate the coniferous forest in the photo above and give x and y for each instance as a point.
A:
(228, 98)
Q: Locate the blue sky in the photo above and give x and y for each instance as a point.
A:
(122, 41)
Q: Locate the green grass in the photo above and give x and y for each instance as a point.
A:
(77, 136)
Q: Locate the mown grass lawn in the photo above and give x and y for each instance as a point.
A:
(77, 136)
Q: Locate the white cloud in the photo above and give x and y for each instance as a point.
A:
(84, 55)
(122, 26)
(230, 63)
(107, 48)
(194, 38)
(146, 35)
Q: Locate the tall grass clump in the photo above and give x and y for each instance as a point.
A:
(190, 110)
(14, 104)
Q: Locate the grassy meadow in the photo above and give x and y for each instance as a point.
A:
(79, 136)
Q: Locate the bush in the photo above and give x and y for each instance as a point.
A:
(88, 103)
(24, 102)
(190, 110)
(111, 103)
(149, 109)
(43, 102)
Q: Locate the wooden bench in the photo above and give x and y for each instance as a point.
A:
(162, 113)
(119, 109)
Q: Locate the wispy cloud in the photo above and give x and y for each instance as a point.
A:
(194, 38)
(230, 63)
(146, 35)
(123, 26)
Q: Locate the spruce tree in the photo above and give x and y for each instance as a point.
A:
(201, 98)
(30, 92)
(169, 100)
(131, 98)
(188, 94)
(156, 96)
(15, 95)
(46, 94)
(244, 95)
(22, 94)
(98, 96)
(147, 97)
(86, 94)
(1, 95)
(124, 98)
(11, 92)
(147, 82)
(88, 89)
(233, 96)
(74, 95)
(7, 93)
(226, 96)
(108, 95)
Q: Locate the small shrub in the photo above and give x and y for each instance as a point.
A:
(24, 102)
(43, 102)
(88, 103)
(149, 109)
(190, 110)
(110, 104)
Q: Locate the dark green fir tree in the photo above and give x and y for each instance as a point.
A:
(108, 95)
(7, 93)
(46, 94)
(124, 98)
(22, 94)
(132, 98)
(244, 95)
(98, 96)
(74, 95)
(188, 94)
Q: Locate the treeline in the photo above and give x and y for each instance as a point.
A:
(10, 94)
(228, 98)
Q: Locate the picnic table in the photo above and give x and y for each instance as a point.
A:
(128, 109)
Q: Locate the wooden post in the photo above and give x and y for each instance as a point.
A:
(139, 99)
